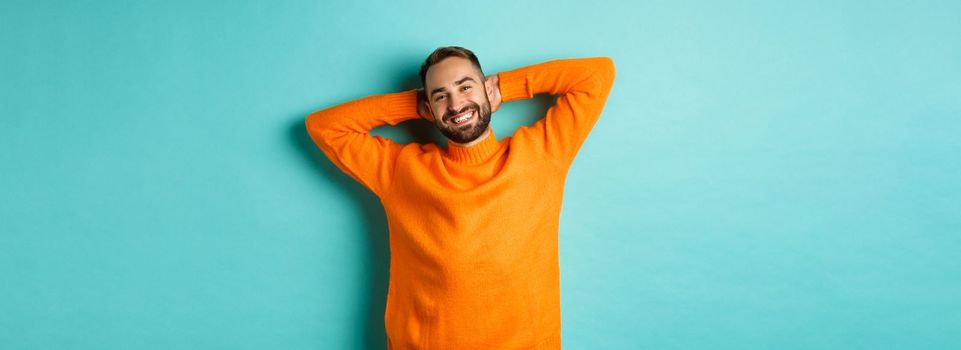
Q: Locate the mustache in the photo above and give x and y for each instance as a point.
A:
(451, 114)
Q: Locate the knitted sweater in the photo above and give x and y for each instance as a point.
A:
(473, 230)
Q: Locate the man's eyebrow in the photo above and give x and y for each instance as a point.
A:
(461, 81)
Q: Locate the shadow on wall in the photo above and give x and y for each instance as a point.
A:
(524, 112)
(375, 227)
(371, 311)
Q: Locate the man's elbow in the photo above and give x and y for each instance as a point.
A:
(315, 123)
(310, 122)
(606, 69)
(317, 120)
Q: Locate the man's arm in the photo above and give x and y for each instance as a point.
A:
(583, 85)
(341, 132)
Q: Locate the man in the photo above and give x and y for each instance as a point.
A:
(473, 228)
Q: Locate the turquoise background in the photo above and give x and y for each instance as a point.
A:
(765, 175)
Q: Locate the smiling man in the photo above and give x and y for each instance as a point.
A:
(457, 91)
(473, 227)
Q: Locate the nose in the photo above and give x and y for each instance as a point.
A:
(456, 103)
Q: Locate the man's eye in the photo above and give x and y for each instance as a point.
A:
(466, 88)
(439, 98)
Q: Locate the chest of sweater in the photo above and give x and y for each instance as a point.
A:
(491, 216)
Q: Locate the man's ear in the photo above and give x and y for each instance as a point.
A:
(430, 111)
(489, 86)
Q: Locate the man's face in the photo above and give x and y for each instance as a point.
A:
(457, 97)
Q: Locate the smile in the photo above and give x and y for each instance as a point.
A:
(463, 119)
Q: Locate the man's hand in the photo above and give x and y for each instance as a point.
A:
(495, 96)
(422, 109)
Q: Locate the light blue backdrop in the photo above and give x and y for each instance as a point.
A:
(764, 176)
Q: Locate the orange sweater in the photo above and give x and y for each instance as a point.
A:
(473, 231)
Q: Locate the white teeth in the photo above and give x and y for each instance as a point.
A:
(458, 120)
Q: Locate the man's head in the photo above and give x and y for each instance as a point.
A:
(455, 87)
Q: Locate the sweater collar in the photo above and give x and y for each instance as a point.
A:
(476, 153)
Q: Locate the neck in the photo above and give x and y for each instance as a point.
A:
(483, 136)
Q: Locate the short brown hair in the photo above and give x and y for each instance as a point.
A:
(444, 52)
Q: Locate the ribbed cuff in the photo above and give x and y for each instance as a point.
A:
(513, 85)
(402, 104)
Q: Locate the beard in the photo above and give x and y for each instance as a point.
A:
(469, 132)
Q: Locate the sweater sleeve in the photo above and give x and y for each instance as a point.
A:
(341, 132)
(583, 85)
